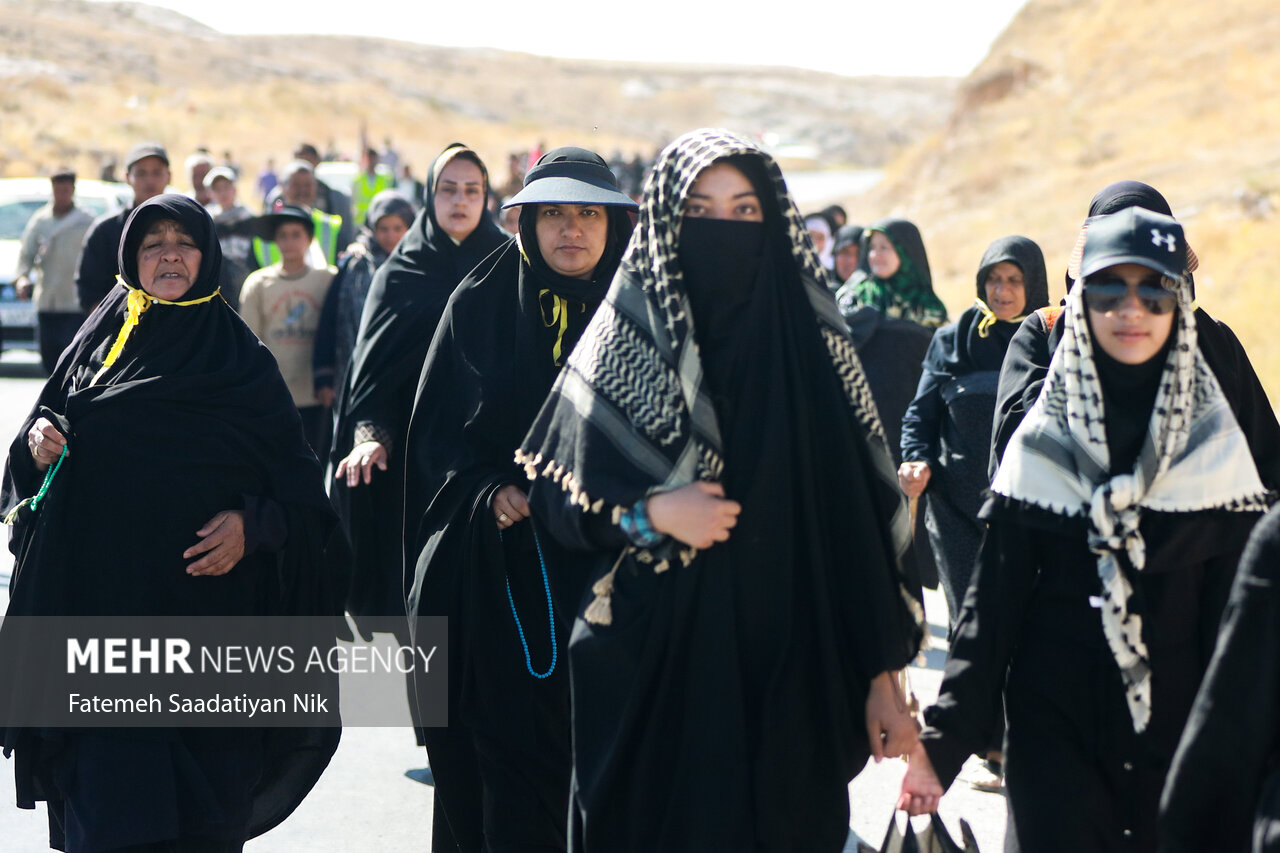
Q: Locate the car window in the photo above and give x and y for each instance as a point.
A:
(14, 216)
(94, 206)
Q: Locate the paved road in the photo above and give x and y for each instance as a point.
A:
(364, 803)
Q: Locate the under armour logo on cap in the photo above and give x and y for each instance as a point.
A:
(1168, 239)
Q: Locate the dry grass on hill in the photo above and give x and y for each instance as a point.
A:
(1079, 93)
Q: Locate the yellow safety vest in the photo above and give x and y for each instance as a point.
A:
(363, 189)
(327, 227)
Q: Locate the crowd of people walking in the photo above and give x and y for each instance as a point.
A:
(676, 463)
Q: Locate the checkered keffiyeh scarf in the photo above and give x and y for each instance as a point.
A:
(630, 416)
(1194, 457)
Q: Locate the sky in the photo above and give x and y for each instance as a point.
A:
(895, 38)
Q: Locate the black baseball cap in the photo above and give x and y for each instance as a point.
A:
(571, 175)
(142, 151)
(265, 226)
(1135, 236)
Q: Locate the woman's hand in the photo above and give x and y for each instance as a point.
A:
(921, 789)
(359, 463)
(509, 506)
(891, 729)
(45, 443)
(222, 545)
(697, 514)
(913, 477)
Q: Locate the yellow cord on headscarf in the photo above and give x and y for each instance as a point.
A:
(139, 301)
(989, 319)
(559, 315)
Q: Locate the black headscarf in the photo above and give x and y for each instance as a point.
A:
(191, 418)
(401, 312)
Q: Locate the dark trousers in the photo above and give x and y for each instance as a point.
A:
(54, 331)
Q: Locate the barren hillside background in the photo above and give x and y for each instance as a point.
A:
(1073, 95)
(1076, 94)
(79, 81)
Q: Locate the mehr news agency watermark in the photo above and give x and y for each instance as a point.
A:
(220, 672)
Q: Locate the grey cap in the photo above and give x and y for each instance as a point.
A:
(142, 151)
(219, 172)
(1135, 236)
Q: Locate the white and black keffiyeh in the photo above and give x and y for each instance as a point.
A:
(630, 416)
(1193, 457)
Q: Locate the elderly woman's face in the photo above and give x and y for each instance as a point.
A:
(168, 260)
(721, 191)
(882, 258)
(1006, 290)
(459, 198)
(572, 237)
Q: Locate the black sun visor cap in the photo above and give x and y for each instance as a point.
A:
(265, 226)
(1135, 236)
(571, 175)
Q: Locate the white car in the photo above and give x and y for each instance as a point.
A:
(19, 199)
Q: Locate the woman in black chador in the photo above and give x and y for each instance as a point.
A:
(713, 441)
(1117, 518)
(452, 233)
(502, 765)
(946, 432)
(186, 489)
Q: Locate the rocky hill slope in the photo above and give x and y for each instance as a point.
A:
(1078, 93)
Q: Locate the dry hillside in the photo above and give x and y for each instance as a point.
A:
(1079, 93)
(81, 81)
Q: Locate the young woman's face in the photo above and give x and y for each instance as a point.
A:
(388, 230)
(168, 260)
(847, 261)
(572, 237)
(459, 198)
(1131, 328)
(1006, 290)
(882, 258)
(721, 191)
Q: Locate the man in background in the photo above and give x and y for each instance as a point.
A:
(368, 183)
(234, 225)
(147, 172)
(47, 267)
(198, 166)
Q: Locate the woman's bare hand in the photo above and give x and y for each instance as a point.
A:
(222, 545)
(913, 477)
(921, 789)
(891, 729)
(509, 506)
(45, 443)
(697, 514)
(358, 465)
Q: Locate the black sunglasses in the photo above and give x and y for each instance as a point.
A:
(1108, 292)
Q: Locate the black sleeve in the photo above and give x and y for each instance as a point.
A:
(265, 527)
(963, 720)
(96, 274)
(324, 356)
(1240, 385)
(1230, 740)
(1026, 364)
(922, 423)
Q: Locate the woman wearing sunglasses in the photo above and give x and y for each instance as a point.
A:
(1116, 520)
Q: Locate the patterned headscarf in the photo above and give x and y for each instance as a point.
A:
(908, 293)
(631, 415)
(1193, 457)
